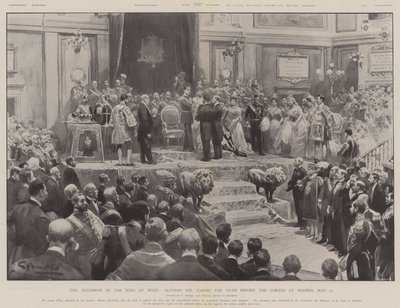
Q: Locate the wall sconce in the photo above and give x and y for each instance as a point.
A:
(78, 41)
(236, 48)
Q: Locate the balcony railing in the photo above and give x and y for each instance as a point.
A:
(383, 152)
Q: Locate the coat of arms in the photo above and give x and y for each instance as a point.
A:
(151, 50)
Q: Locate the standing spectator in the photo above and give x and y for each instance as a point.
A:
(13, 184)
(143, 192)
(52, 265)
(125, 200)
(350, 149)
(377, 199)
(294, 185)
(118, 242)
(223, 232)
(386, 270)
(187, 267)
(121, 180)
(88, 230)
(340, 204)
(231, 265)
(31, 223)
(26, 177)
(291, 266)
(174, 229)
(163, 208)
(253, 245)
(210, 246)
(146, 262)
(69, 191)
(90, 192)
(56, 199)
(104, 180)
(187, 118)
(70, 176)
(262, 259)
(152, 203)
(362, 242)
(329, 269)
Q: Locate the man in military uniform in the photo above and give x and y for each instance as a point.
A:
(125, 89)
(187, 119)
(217, 132)
(254, 114)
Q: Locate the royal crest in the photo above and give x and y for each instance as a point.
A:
(152, 50)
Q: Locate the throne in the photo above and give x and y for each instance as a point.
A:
(170, 119)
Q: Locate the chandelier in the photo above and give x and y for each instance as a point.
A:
(334, 75)
(233, 50)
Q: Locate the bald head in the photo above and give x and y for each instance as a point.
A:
(110, 193)
(70, 190)
(189, 239)
(60, 230)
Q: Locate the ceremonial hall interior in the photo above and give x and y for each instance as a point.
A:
(294, 91)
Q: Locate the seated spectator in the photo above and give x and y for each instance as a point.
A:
(104, 180)
(262, 259)
(291, 266)
(253, 245)
(187, 267)
(231, 265)
(174, 229)
(120, 241)
(60, 237)
(223, 232)
(329, 269)
(69, 191)
(145, 263)
(13, 185)
(162, 209)
(210, 247)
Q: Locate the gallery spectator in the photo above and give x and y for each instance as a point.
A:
(291, 265)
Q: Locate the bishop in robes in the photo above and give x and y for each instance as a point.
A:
(124, 122)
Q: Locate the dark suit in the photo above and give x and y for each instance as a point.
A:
(213, 267)
(23, 194)
(254, 114)
(264, 275)
(340, 205)
(222, 253)
(51, 265)
(12, 187)
(217, 130)
(142, 194)
(70, 177)
(100, 194)
(250, 267)
(186, 268)
(232, 266)
(298, 175)
(377, 199)
(55, 200)
(31, 226)
(164, 217)
(205, 115)
(144, 129)
(187, 121)
(68, 209)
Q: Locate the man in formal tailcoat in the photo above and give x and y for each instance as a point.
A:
(262, 259)
(52, 265)
(253, 245)
(70, 176)
(377, 198)
(56, 200)
(254, 114)
(205, 115)
(187, 118)
(294, 185)
(217, 131)
(144, 130)
(31, 223)
(223, 232)
(231, 265)
(340, 208)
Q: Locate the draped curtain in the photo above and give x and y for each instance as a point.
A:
(178, 34)
(116, 30)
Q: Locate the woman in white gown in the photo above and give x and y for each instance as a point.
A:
(233, 123)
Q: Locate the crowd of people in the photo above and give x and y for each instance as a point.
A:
(349, 210)
(252, 121)
(131, 231)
